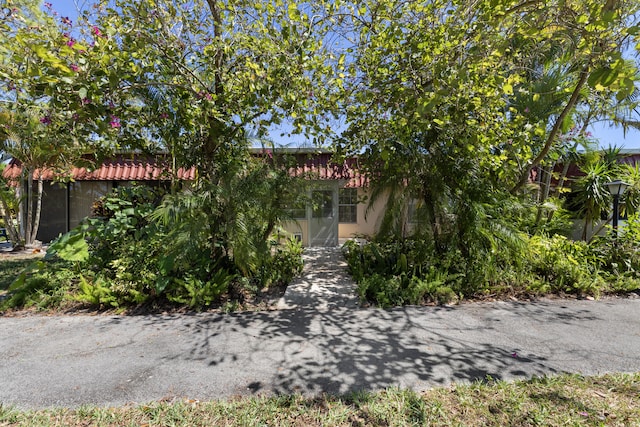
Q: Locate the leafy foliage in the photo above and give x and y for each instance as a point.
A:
(35, 130)
(409, 271)
(129, 256)
(41, 285)
(451, 104)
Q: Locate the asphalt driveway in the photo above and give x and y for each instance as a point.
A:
(112, 360)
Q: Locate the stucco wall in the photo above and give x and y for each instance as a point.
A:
(365, 226)
(299, 226)
(600, 228)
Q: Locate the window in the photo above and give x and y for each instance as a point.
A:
(348, 205)
(82, 195)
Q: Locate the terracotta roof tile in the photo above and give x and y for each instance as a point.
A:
(142, 168)
(321, 167)
(136, 168)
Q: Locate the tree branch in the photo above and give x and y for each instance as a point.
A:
(584, 74)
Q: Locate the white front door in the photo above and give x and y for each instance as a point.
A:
(323, 223)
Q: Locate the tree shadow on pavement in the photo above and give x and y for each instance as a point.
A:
(347, 350)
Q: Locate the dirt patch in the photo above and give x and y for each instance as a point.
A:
(21, 254)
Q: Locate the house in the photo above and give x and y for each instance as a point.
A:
(338, 194)
(66, 204)
(337, 191)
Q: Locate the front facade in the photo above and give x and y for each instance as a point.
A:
(66, 204)
(338, 194)
(338, 200)
(337, 212)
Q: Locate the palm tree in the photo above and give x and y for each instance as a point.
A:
(233, 218)
(591, 195)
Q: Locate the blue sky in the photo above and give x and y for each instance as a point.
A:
(608, 135)
(603, 132)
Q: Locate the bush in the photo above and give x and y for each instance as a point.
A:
(198, 294)
(41, 285)
(384, 291)
(391, 274)
(283, 266)
(411, 272)
(564, 265)
(619, 257)
(128, 257)
(404, 290)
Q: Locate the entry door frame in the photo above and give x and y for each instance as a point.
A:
(323, 231)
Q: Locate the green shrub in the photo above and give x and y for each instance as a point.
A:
(411, 272)
(285, 264)
(97, 293)
(619, 254)
(42, 284)
(432, 287)
(401, 290)
(384, 291)
(200, 294)
(128, 257)
(618, 257)
(566, 265)
(389, 258)
(407, 272)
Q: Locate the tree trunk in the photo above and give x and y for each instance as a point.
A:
(584, 229)
(217, 33)
(565, 167)
(217, 128)
(545, 192)
(563, 176)
(21, 212)
(9, 225)
(36, 218)
(584, 74)
(29, 199)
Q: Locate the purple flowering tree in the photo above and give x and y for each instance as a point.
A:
(194, 80)
(39, 58)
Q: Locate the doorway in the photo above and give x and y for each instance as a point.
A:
(323, 223)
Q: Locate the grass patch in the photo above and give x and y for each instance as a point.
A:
(612, 400)
(10, 269)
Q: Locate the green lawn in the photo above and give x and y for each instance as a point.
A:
(9, 270)
(610, 400)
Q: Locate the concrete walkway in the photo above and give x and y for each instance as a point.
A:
(325, 283)
(310, 348)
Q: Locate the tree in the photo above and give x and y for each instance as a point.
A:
(430, 104)
(591, 195)
(32, 129)
(196, 78)
(458, 101)
(31, 138)
(593, 37)
(191, 79)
